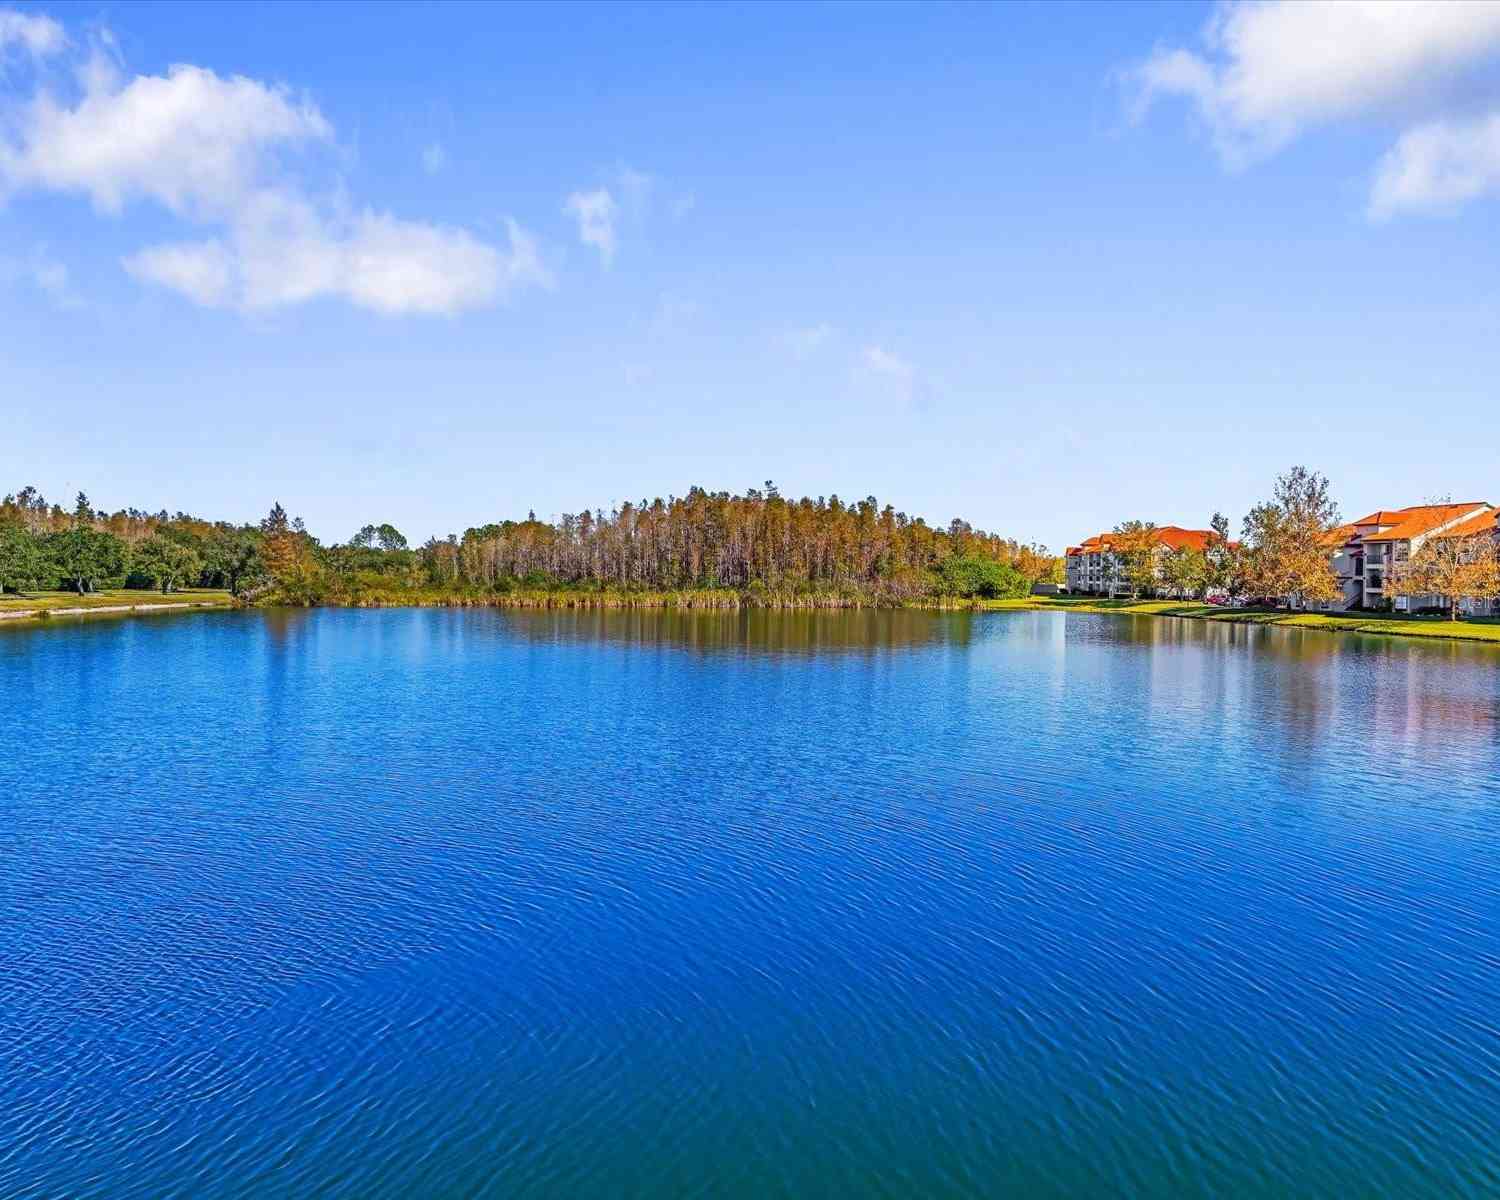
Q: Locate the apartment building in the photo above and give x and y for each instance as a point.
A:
(1365, 553)
(1093, 567)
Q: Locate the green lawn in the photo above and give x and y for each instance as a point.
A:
(1480, 629)
(50, 602)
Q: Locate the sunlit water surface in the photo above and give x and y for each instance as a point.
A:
(482, 904)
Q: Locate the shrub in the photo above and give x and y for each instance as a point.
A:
(982, 577)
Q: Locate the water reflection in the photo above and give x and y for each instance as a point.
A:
(378, 904)
(795, 631)
(1354, 705)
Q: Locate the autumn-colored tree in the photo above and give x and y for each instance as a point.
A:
(1456, 568)
(1134, 545)
(700, 540)
(1286, 552)
(1185, 571)
(280, 547)
(287, 551)
(715, 539)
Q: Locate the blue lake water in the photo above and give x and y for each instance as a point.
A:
(486, 904)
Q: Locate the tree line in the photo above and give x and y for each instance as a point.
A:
(755, 544)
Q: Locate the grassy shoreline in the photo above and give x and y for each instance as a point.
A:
(41, 606)
(1481, 629)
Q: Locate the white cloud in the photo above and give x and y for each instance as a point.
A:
(190, 140)
(621, 206)
(1437, 167)
(884, 362)
(1271, 69)
(595, 213)
(202, 271)
(217, 152)
(372, 260)
(39, 36)
(434, 158)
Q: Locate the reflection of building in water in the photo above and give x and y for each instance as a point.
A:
(1301, 695)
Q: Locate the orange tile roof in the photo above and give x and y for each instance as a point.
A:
(1422, 518)
(1177, 538)
(1485, 522)
(1383, 516)
(1174, 537)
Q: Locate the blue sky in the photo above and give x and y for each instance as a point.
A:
(1047, 268)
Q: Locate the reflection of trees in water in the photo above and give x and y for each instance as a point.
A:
(1303, 686)
(770, 631)
(1426, 691)
(1309, 682)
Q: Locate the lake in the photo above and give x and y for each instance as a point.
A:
(647, 904)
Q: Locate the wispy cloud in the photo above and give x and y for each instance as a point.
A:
(1266, 72)
(595, 213)
(33, 34)
(224, 154)
(621, 205)
(1437, 167)
(887, 373)
(434, 158)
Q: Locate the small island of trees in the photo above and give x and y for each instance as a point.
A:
(711, 549)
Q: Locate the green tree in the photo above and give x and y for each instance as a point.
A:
(390, 538)
(384, 537)
(970, 577)
(85, 559)
(165, 562)
(1222, 559)
(232, 556)
(22, 563)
